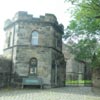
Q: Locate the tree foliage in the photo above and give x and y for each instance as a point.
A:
(86, 17)
(85, 27)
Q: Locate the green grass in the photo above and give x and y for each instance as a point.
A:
(78, 81)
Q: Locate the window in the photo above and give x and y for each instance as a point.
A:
(58, 42)
(34, 39)
(33, 66)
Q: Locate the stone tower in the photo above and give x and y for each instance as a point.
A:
(34, 45)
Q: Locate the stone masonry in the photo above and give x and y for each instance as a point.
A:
(34, 45)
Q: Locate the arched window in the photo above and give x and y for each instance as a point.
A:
(34, 39)
(33, 66)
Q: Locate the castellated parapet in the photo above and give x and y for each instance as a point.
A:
(24, 16)
(34, 45)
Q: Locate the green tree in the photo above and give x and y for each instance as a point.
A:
(86, 17)
(85, 27)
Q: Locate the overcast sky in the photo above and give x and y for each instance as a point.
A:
(36, 7)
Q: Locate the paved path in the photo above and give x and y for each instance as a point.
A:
(67, 93)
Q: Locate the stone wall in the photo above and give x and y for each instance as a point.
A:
(58, 71)
(73, 67)
(23, 56)
(96, 78)
(5, 69)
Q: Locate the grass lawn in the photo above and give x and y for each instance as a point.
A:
(78, 81)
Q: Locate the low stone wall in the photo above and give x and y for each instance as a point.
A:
(4, 79)
(5, 67)
(96, 78)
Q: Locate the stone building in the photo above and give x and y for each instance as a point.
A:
(75, 70)
(34, 45)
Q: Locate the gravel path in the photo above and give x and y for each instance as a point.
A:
(66, 93)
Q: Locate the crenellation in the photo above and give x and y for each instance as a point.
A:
(23, 16)
(42, 18)
(7, 23)
(51, 18)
